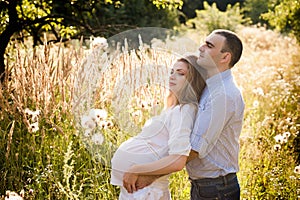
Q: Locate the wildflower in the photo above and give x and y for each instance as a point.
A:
(13, 195)
(98, 138)
(297, 169)
(145, 105)
(98, 114)
(87, 132)
(106, 124)
(288, 119)
(136, 113)
(286, 134)
(22, 193)
(34, 127)
(285, 139)
(279, 138)
(99, 42)
(30, 191)
(33, 114)
(87, 122)
(293, 177)
(259, 91)
(277, 147)
(109, 124)
(255, 104)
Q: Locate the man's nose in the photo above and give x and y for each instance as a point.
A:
(201, 48)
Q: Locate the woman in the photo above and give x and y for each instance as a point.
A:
(163, 145)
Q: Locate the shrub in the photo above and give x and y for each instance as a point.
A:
(211, 18)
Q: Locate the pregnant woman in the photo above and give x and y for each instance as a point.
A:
(163, 145)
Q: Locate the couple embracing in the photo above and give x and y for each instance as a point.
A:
(199, 129)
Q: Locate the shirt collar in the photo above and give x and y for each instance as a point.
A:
(215, 79)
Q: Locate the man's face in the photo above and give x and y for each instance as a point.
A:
(210, 52)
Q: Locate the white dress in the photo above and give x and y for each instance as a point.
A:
(162, 135)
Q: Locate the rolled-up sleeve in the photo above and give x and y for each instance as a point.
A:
(180, 127)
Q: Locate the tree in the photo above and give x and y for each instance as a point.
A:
(74, 18)
(189, 8)
(285, 17)
(254, 8)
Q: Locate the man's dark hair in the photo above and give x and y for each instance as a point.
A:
(233, 45)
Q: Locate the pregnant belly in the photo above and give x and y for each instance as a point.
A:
(135, 151)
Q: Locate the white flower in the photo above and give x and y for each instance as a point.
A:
(277, 147)
(297, 169)
(87, 132)
(33, 114)
(99, 42)
(98, 138)
(255, 104)
(145, 105)
(34, 127)
(106, 124)
(136, 113)
(98, 114)
(285, 139)
(259, 91)
(28, 111)
(279, 138)
(87, 122)
(286, 134)
(13, 196)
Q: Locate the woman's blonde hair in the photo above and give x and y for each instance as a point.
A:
(191, 91)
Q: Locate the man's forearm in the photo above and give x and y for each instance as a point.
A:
(146, 180)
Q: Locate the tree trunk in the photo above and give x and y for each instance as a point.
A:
(4, 38)
(12, 27)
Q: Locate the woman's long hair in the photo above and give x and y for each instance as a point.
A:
(191, 92)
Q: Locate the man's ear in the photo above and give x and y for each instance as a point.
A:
(226, 57)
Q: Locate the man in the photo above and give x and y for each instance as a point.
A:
(213, 161)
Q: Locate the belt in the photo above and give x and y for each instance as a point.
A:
(218, 180)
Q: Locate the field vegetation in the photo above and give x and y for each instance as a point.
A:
(48, 151)
(66, 107)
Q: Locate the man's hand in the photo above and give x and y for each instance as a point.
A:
(129, 181)
(193, 155)
(144, 181)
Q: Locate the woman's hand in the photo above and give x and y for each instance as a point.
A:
(129, 181)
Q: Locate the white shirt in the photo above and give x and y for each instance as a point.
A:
(166, 134)
(217, 128)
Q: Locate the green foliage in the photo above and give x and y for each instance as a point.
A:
(66, 19)
(253, 10)
(211, 18)
(285, 17)
(170, 4)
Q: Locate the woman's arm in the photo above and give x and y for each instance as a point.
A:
(166, 165)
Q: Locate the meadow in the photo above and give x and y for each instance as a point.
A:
(50, 150)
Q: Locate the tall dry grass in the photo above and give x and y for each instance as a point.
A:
(269, 77)
(48, 155)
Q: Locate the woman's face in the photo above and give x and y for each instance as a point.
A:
(178, 76)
